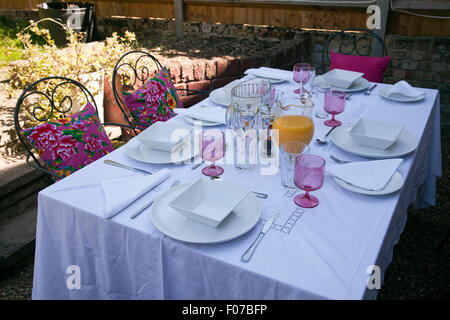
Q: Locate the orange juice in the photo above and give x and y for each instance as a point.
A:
(293, 128)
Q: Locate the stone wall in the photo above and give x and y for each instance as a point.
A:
(421, 61)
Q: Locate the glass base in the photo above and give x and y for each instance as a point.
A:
(305, 201)
(212, 171)
(332, 123)
(302, 91)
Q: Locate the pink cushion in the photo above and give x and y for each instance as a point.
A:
(68, 144)
(372, 67)
(154, 101)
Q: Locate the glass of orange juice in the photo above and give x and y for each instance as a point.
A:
(295, 122)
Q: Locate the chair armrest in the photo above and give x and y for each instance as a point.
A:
(38, 167)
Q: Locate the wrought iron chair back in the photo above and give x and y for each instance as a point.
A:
(132, 70)
(354, 41)
(44, 101)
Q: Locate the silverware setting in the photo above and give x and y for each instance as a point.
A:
(138, 212)
(321, 114)
(197, 165)
(324, 139)
(121, 165)
(339, 160)
(370, 89)
(257, 194)
(249, 252)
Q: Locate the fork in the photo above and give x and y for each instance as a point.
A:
(134, 215)
(339, 160)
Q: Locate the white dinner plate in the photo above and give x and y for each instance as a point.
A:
(174, 224)
(383, 93)
(271, 80)
(358, 85)
(204, 122)
(221, 96)
(140, 152)
(405, 144)
(395, 184)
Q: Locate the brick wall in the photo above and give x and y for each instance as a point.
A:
(284, 48)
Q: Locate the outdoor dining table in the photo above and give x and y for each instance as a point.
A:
(327, 252)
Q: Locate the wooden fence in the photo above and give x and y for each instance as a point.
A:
(293, 13)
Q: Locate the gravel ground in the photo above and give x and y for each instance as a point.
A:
(418, 270)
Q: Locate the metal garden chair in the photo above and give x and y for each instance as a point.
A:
(363, 43)
(45, 101)
(133, 70)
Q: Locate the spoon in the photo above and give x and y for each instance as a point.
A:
(324, 139)
(321, 115)
(258, 194)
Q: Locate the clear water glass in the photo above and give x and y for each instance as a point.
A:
(289, 151)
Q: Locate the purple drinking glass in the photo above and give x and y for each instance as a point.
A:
(212, 142)
(301, 74)
(308, 175)
(334, 104)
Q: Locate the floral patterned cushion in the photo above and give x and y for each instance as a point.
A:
(154, 101)
(69, 144)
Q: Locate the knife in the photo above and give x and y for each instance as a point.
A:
(120, 165)
(135, 214)
(249, 253)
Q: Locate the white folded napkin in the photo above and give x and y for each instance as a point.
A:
(369, 175)
(270, 73)
(213, 114)
(403, 89)
(119, 193)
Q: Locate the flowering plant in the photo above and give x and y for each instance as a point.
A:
(78, 61)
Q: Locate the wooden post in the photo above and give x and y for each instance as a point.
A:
(384, 12)
(178, 8)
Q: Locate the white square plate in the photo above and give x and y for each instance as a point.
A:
(376, 134)
(209, 201)
(165, 136)
(342, 78)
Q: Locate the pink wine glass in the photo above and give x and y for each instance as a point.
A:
(308, 175)
(301, 74)
(334, 104)
(212, 142)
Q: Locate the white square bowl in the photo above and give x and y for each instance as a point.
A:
(342, 78)
(209, 202)
(375, 134)
(165, 136)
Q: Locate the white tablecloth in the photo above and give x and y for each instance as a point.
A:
(319, 253)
